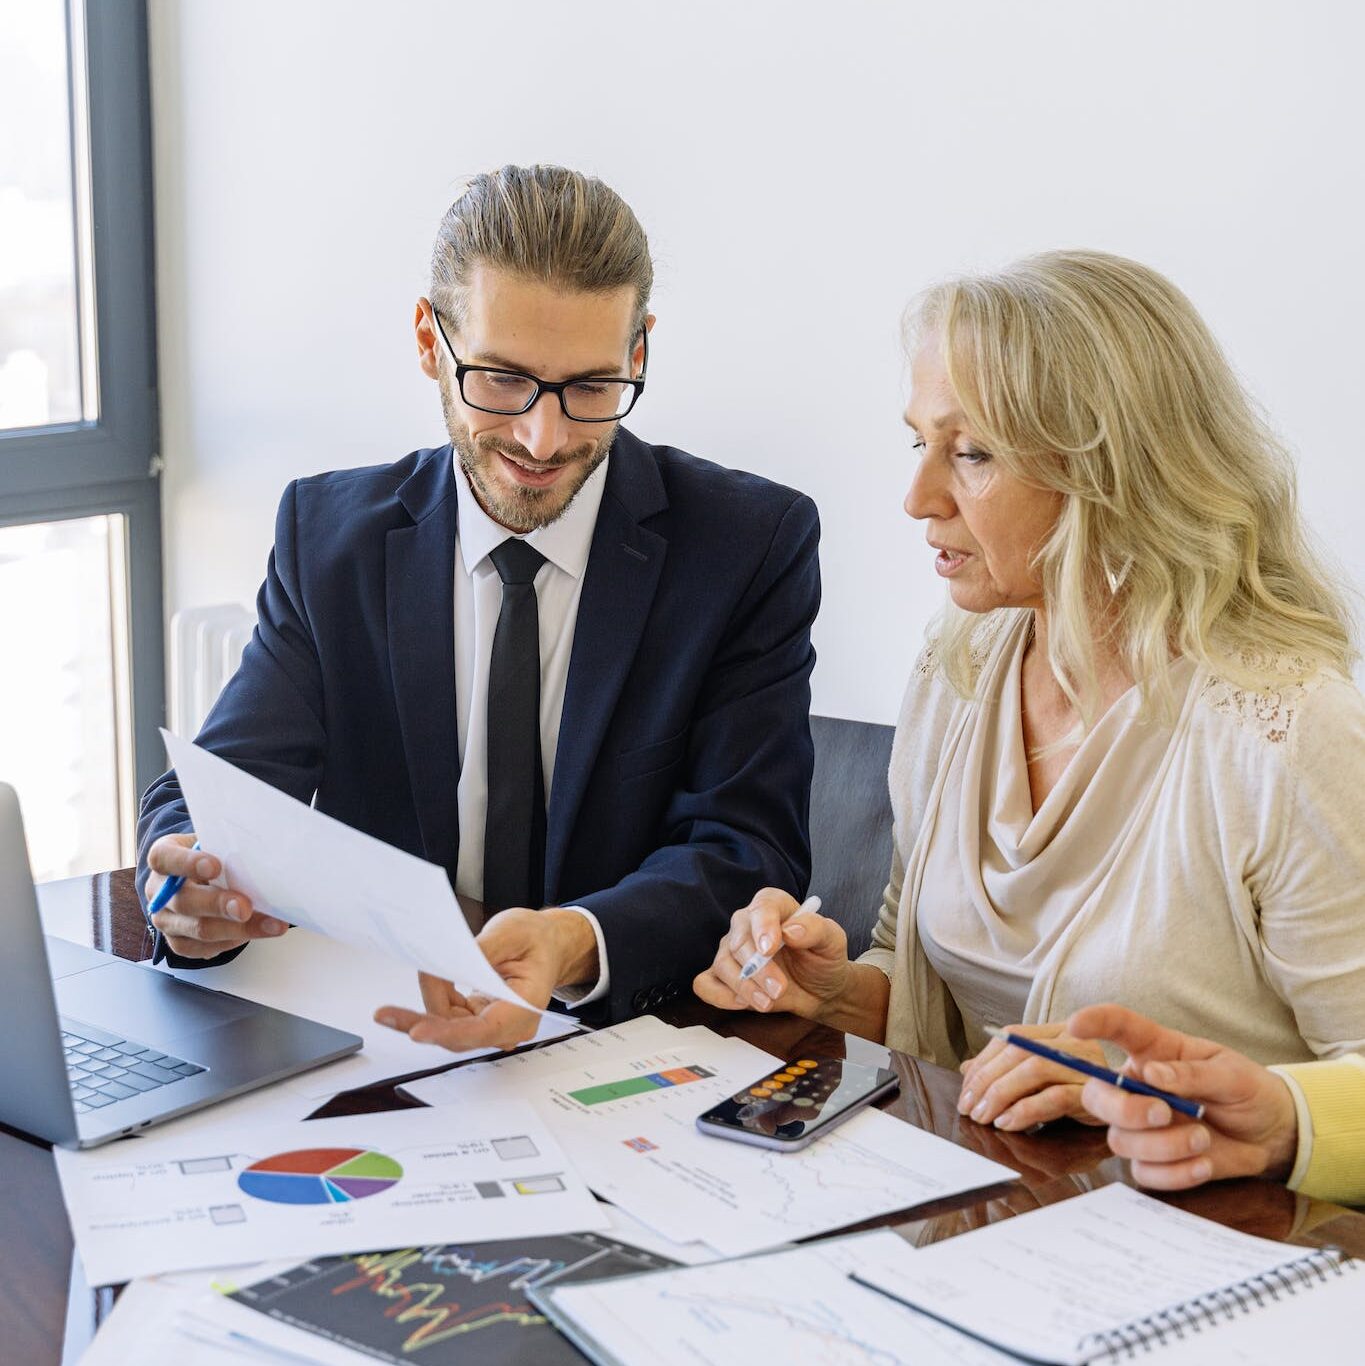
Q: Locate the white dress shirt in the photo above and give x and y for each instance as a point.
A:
(565, 543)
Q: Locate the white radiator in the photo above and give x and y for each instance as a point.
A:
(206, 647)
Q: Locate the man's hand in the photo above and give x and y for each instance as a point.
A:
(533, 952)
(1250, 1127)
(1012, 1089)
(202, 921)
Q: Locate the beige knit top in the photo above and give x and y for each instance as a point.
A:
(1209, 872)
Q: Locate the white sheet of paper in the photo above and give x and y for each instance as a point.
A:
(1042, 1283)
(310, 870)
(160, 1204)
(1320, 1325)
(523, 1069)
(796, 1306)
(146, 1323)
(342, 986)
(626, 1228)
(644, 1153)
(143, 1328)
(230, 1325)
(742, 1199)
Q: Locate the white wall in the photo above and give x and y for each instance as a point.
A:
(802, 168)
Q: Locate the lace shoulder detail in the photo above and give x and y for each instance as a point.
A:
(1268, 711)
(985, 638)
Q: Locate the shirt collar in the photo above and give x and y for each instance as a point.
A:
(565, 542)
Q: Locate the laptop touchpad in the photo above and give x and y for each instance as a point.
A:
(64, 957)
(144, 1004)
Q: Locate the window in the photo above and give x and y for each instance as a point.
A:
(80, 553)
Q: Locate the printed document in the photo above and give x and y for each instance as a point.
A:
(797, 1306)
(518, 1071)
(310, 870)
(352, 1184)
(628, 1122)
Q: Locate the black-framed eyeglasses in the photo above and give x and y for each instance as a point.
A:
(510, 392)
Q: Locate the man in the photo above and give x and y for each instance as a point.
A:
(570, 667)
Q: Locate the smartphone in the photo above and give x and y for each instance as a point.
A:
(791, 1107)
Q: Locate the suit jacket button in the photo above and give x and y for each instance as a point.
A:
(656, 996)
(671, 990)
(640, 1001)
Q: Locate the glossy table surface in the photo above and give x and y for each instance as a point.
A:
(1061, 1161)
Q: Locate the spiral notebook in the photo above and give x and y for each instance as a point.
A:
(1112, 1273)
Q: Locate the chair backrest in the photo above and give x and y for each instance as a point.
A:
(850, 823)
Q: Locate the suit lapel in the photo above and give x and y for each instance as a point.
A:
(420, 600)
(623, 572)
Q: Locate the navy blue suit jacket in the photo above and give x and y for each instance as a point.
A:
(682, 777)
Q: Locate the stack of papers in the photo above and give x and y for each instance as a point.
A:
(1111, 1276)
(641, 1149)
(461, 1303)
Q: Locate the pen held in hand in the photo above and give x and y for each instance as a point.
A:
(1185, 1107)
(165, 892)
(759, 961)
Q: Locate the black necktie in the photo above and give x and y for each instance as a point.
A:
(514, 832)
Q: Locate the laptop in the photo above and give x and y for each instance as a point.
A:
(97, 1047)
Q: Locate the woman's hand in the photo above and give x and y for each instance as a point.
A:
(1250, 1127)
(1012, 1089)
(810, 969)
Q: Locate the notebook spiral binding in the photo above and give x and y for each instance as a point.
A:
(1194, 1316)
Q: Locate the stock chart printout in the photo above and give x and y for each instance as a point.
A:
(443, 1305)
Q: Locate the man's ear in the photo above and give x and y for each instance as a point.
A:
(637, 355)
(428, 344)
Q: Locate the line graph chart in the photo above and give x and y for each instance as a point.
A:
(786, 1306)
(444, 1304)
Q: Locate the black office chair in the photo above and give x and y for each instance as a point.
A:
(850, 823)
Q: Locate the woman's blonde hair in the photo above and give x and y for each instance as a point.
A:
(1093, 376)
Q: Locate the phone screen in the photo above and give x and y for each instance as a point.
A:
(798, 1099)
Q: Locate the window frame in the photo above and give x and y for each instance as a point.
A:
(111, 464)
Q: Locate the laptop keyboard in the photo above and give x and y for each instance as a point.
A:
(102, 1070)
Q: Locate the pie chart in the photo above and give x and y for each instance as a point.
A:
(320, 1176)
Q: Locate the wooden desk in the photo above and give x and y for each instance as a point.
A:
(35, 1240)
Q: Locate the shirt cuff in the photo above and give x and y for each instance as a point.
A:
(585, 995)
(1304, 1155)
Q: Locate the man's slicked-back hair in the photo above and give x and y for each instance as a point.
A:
(543, 223)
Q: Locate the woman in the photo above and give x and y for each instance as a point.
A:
(1302, 1123)
(1129, 763)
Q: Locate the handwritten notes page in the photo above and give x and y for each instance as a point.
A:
(1051, 1284)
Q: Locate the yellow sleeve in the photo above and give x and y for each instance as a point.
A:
(1331, 1159)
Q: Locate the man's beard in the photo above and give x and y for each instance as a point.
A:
(520, 508)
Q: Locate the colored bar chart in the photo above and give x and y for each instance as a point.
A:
(638, 1085)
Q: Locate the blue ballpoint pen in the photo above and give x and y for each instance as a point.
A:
(165, 892)
(1185, 1107)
